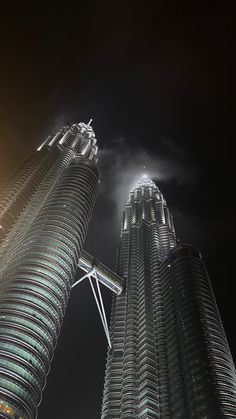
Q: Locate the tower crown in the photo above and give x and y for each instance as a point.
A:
(80, 137)
(144, 181)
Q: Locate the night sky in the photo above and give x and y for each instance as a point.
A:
(159, 84)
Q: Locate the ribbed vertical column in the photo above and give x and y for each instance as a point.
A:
(113, 380)
(129, 394)
(161, 392)
(171, 368)
(201, 371)
(160, 336)
(111, 407)
(148, 403)
(36, 286)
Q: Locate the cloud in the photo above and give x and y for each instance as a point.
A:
(122, 165)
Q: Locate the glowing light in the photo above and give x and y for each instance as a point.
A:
(39, 148)
(144, 176)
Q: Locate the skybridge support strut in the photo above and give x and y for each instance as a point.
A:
(98, 299)
(101, 310)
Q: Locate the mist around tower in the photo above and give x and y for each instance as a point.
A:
(124, 164)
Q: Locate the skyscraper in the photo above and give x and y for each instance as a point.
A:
(45, 211)
(169, 357)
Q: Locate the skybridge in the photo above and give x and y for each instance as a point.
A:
(97, 272)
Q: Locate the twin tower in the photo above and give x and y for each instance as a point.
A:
(168, 355)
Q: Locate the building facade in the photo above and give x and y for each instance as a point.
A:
(170, 357)
(45, 211)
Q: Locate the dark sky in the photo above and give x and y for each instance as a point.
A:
(159, 84)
